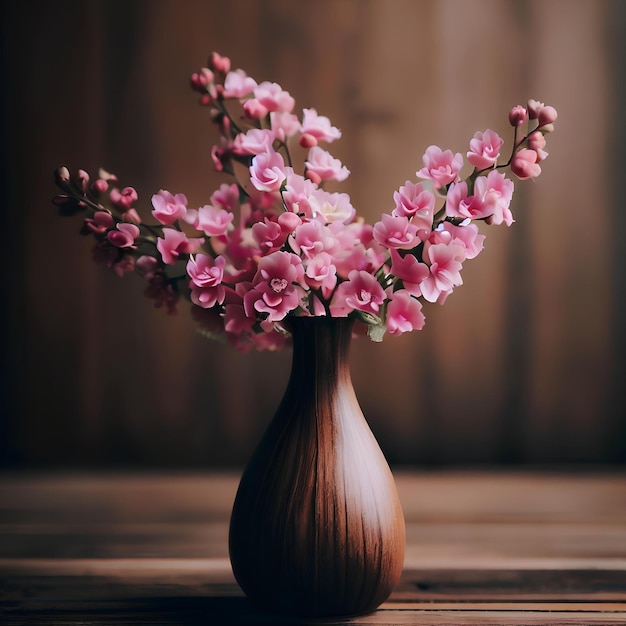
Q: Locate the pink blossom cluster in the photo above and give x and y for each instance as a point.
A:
(277, 242)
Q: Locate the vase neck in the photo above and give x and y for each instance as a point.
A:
(321, 347)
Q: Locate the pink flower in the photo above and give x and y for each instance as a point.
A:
(525, 165)
(404, 313)
(273, 97)
(466, 235)
(460, 204)
(318, 126)
(445, 271)
(226, 197)
(123, 199)
(169, 208)
(174, 243)
(440, 167)
(484, 149)
(267, 172)
(284, 124)
(100, 222)
(275, 289)
(325, 166)
(321, 273)
(124, 265)
(361, 292)
(409, 270)
(206, 276)
(255, 141)
(311, 238)
(396, 232)
(415, 202)
(268, 235)
(297, 192)
(124, 236)
(238, 84)
(495, 192)
(214, 222)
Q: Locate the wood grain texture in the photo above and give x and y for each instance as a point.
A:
(482, 548)
(317, 528)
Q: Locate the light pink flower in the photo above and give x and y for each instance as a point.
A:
(318, 126)
(213, 221)
(174, 243)
(273, 97)
(525, 165)
(396, 232)
(460, 204)
(445, 271)
(226, 197)
(311, 238)
(495, 192)
(331, 207)
(417, 203)
(441, 167)
(168, 207)
(467, 235)
(284, 124)
(297, 192)
(124, 236)
(361, 292)
(254, 109)
(484, 149)
(276, 288)
(409, 270)
(255, 141)
(325, 166)
(404, 313)
(267, 172)
(238, 84)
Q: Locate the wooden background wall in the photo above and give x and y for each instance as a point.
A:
(524, 363)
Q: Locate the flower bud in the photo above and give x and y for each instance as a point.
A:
(517, 115)
(547, 115)
(308, 141)
(131, 216)
(99, 186)
(534, 106)
(524, 164)
(219, 63)
(62, 175)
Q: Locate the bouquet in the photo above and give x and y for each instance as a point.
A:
(273, 241)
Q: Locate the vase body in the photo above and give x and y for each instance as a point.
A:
(317, 527)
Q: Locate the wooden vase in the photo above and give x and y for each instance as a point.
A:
(317, 528)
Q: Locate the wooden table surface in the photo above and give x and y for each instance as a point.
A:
(482, 548)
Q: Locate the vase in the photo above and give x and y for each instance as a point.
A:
(317, 528)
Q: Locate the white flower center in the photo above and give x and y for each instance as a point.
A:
(278, 285)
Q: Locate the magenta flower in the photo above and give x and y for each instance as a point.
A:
(484, 149)
(124, 236)
(441, 167)
(267, 172)
(100, 222)
(404, 313)
(168, 207)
